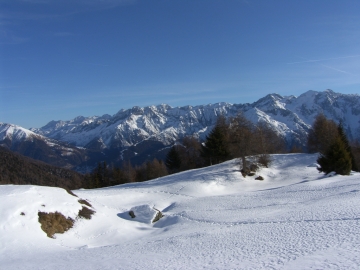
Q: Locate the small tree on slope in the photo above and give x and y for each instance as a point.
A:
(336, 158)
(173, 161)
(215, 149)
(345, 140)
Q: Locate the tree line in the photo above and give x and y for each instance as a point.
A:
(17, 169)
(234, 137)
(107, 175)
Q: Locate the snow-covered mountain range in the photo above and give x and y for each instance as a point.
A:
(290, 116)
(138, 134)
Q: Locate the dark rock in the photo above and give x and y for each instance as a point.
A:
(132, 214)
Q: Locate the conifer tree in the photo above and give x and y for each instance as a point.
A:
(190, 154)
(345, 140)
(336, 158)
(355, 150)
(215, 149)
(173, 161)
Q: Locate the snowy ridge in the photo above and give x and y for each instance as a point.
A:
(214, 218)
(290, 116)
(28, 143)
(15, 133)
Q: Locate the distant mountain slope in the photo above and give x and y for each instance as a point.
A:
(290, 116)
(39, 147)
(21, 170)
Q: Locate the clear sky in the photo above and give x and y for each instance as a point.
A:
(61, 59)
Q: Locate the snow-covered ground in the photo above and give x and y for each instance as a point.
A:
(214, 219)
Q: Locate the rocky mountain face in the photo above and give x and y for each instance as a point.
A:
(290, 116)
(138, 134)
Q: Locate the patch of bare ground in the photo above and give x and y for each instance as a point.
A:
(52, 223)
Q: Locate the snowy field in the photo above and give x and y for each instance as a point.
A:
(214, 219)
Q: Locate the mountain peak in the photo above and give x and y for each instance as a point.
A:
(14, 132)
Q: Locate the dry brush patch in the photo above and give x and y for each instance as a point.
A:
(52, 223)
(82, 201)
(70, 192)
(86, 213)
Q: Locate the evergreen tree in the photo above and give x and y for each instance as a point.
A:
(190, 154)
(355, 150)
(215, 149)
(345, 140)
(99, 175)
(336, 158)
(173, 161)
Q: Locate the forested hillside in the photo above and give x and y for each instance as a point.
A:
(20, 170)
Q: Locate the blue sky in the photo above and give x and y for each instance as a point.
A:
(61, 59)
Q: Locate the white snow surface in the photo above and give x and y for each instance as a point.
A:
(214, 218)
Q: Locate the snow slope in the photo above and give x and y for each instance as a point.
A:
(214, 219)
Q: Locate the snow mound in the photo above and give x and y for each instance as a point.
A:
(143, 213)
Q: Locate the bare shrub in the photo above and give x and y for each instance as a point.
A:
(259, 178)
(52, 223)
(22, 214)
(264, 160)
(322, 134)
(86, 213)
